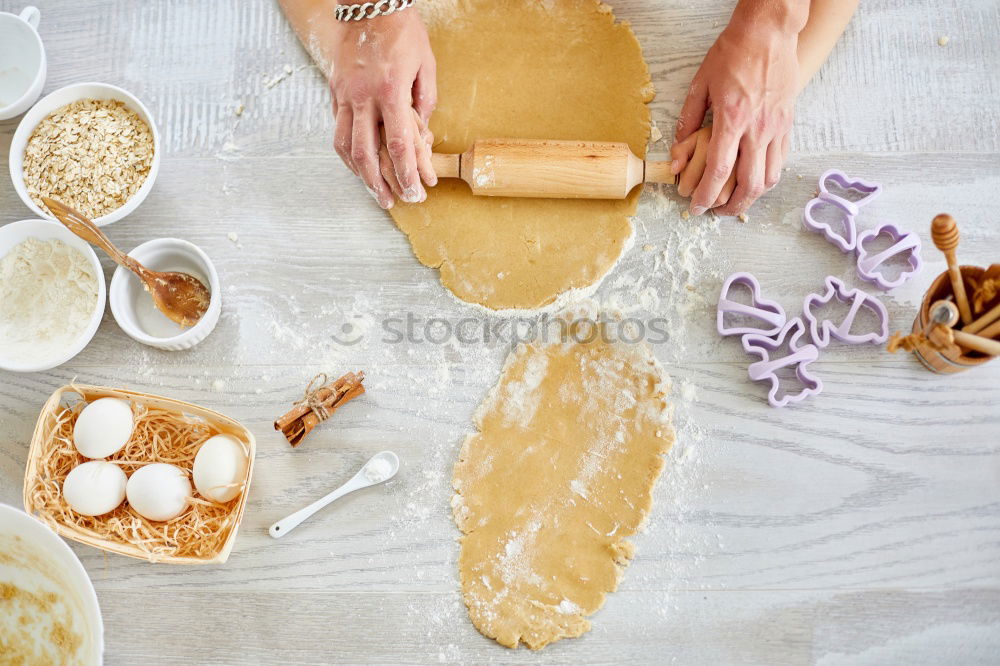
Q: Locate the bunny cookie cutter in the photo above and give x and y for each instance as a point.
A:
(769, 312)
(822, 331)
(800, 357)
(847, 209)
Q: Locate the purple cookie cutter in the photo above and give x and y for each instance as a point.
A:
(766, 368)
(902, 242)
(847, 241)
(821, 331)
(767, 311)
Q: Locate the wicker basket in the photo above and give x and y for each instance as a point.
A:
(43, 438)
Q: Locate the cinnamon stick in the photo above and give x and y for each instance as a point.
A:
(319, 404)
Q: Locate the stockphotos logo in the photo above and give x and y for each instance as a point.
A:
(349, 333)
(410, 329)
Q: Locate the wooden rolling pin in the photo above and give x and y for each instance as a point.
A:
(550, 169)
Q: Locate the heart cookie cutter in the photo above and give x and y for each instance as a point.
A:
(822, 331)
(846, 208)
(869, 266)
(767, 311)
(766, 368)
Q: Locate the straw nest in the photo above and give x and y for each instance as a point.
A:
(161, 435)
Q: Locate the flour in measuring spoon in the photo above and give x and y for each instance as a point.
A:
(378, 470)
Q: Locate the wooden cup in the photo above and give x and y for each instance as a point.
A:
(949, 360)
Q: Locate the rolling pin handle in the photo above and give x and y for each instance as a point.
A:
(659, 172)
(447, 165)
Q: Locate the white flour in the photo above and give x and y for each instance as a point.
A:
(48, 292)
(519, 403)
(378, 470)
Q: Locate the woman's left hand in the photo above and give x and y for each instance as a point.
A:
(749, 80)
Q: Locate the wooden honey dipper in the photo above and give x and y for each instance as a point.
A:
(944, 231)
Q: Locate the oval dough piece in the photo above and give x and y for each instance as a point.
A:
(561, 69)
(570, 443)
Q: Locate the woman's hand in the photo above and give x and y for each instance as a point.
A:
(749, 79)
(383, 80)
(688, 159)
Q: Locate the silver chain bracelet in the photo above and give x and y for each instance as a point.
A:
(369, 10)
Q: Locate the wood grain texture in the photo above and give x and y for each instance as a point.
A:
(860, 527)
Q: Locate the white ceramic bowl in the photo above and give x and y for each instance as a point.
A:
(22, 62)
(50, 566)
(133, 308)
(15, 233)
(61, 98)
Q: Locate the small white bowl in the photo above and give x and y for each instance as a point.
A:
(133, 308)
(59, 99)
(15, 233)
(55, 565)
(22, 62)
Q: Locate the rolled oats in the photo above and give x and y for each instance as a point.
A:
(92, 155)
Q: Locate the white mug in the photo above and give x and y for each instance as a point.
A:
(22, 62)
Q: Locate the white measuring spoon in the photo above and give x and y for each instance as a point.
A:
(371, 473)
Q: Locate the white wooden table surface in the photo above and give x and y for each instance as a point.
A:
(860, 527)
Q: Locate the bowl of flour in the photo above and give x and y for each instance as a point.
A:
(52, 295)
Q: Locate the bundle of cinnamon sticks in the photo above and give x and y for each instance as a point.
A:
(320, 401)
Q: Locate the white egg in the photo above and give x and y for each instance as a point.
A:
(94, 488)
(103, 427)
(221, 462)
(158, 491)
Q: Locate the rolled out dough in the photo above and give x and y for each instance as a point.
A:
(560, 473)
(559, 69)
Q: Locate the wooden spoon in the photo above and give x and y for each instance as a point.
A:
(181, 297)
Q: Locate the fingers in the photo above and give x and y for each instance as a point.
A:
(425, 90)
(388, 171)
(693, 112)
(727, 191)
(681, 152)
(722, 151)
(749, 178)
(364, 155)
(424, 141)
(773, 163)
(695, 168)
(342, 135)
(400, 140)
(424, 103)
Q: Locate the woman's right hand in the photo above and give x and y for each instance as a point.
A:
(688, 159)
(383, 80)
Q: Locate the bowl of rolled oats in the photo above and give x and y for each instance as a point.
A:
(92, 146)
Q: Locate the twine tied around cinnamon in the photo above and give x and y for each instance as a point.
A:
(985, 292)
(318, 403)
(311, 400)
(939, 337)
